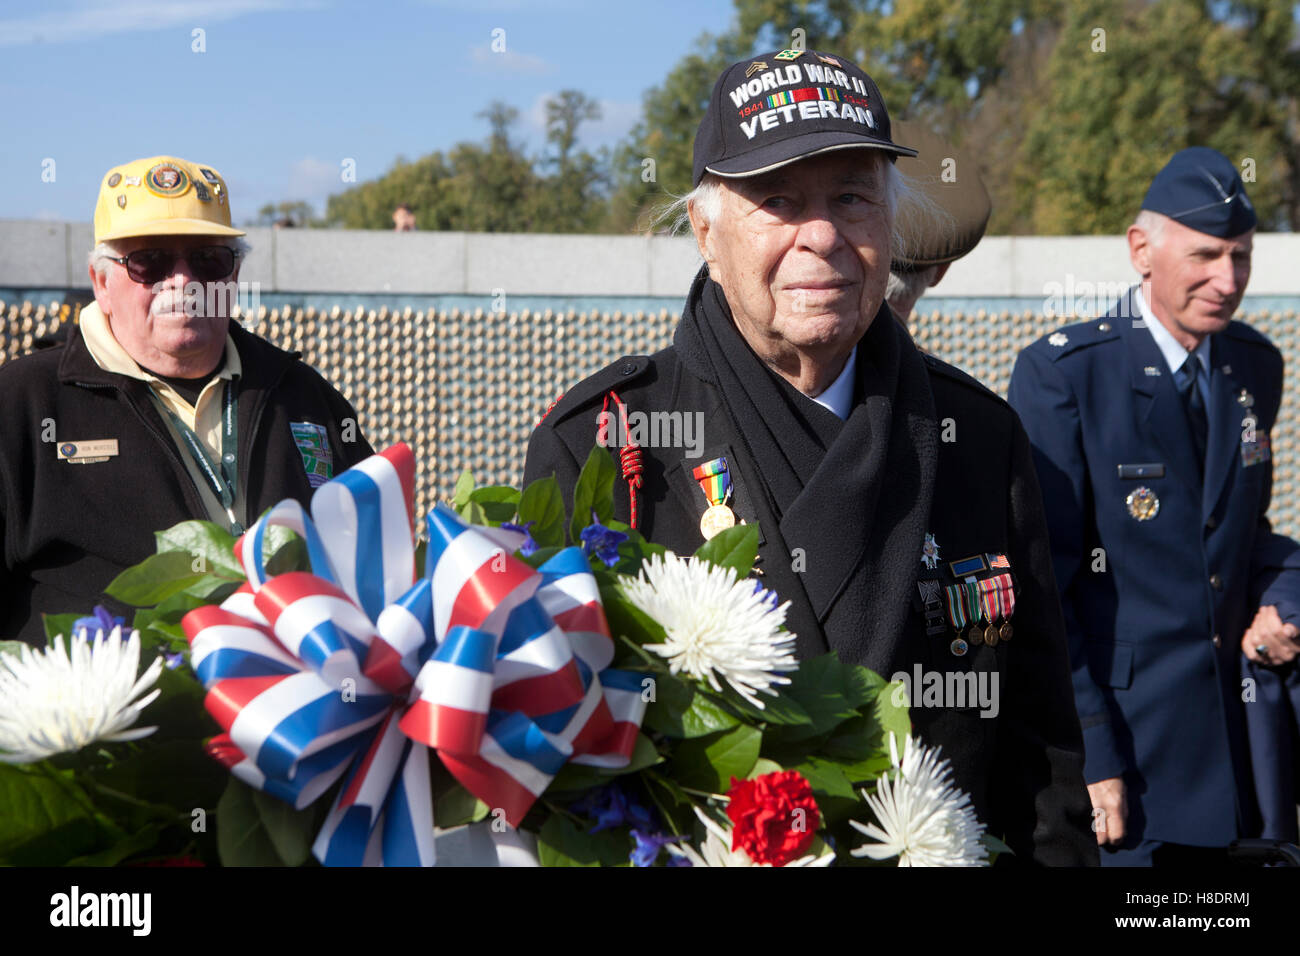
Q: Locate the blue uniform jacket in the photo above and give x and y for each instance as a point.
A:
(1155, 609)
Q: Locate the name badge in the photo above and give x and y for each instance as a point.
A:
(1151, 469)
(1253, 452)
(88, 452)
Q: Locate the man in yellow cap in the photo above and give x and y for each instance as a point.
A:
(158, 409)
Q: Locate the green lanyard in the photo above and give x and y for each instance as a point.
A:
(222, 481)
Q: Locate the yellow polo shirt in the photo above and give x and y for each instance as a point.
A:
(204, 418)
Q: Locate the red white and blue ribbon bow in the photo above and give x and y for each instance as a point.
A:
(360, 668)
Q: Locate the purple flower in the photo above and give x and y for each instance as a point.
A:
(174, 661)
(529, 546)
(648, 846)
(611, 807)
(767, 597)
(602, 542)
(100, 620)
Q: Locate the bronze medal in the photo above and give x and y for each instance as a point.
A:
(975, 636)
(991, 635)
(1005, 631)
(716, 519)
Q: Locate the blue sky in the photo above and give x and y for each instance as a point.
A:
(285, 90)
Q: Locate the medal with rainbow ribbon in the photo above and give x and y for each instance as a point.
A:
(715, 482)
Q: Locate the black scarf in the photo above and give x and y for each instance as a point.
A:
(854, 495)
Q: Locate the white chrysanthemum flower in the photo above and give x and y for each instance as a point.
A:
(717, 851)
(923, 819)
(53, 702)
(716, 626)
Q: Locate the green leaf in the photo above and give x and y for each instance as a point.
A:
(457, 807)
(290, 556)
(995, 846)
(627, 620)
(499, 501)
(735, 547)
(46, 821)
(561, 843)
(594, 491)
(543, 504)
(144, 839)
(779, 709)
(891, 711)
(818, 687)
(835, 795)
(679, 710)
(155, 579)
(862, 685)
(709, 763)
(203, 539)
(472, 512)
(464, 486)
(854, 740)
(291, 831)
(242, 835)
(764, 766)
(56, 624)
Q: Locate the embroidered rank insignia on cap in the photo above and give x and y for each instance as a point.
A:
(756, 67)
(788, 55)
(314, 446)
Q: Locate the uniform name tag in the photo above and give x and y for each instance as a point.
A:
(1151, 469)
(1253, 452)
(88, 452)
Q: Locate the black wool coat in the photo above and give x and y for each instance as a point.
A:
(1022, 766)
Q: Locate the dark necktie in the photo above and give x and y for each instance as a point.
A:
(1194, 402)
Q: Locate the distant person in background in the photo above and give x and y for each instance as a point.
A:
(157, 410)
(403, 219)
(943, 229)
(1150, 429)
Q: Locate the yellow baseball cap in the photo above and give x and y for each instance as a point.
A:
(162, 196)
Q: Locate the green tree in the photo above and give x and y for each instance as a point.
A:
(1133, 81)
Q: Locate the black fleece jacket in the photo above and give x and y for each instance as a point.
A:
(66, 530)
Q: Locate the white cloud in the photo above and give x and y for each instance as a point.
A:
(81, 20)
(508, 61)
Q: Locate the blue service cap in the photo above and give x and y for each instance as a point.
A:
(1201, 189)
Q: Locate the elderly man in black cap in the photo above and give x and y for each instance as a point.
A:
(945, 226)
(1150, 429)
(895, 496)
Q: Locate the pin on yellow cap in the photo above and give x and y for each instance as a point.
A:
(162, 196)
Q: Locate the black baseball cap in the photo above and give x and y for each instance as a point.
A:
(1201, 188)
(776, 108)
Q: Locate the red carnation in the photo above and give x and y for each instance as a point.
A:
(774, 817)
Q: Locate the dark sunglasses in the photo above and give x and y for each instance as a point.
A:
(207, 263)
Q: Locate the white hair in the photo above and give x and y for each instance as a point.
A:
(1153, 224)
(104, 251)
(906, 203)
(909, 286)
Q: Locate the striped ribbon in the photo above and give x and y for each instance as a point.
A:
(357, 670)
(714, 479)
